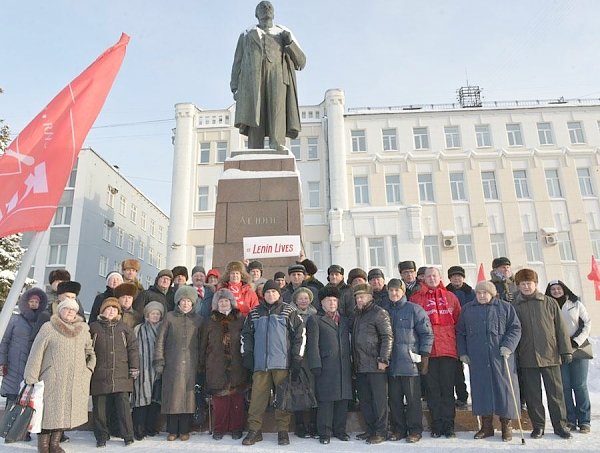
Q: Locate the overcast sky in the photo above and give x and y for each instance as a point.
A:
(380, 52)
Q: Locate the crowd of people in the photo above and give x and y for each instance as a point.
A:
(387, 345)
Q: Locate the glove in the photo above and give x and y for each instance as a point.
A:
(159, 369)
(505, 352)
(566, 358)
(574, 344)
(3, 370)
(465, 359)
(248, 361)
(424, 368)
(134, 373)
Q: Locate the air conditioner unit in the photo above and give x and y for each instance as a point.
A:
(448, 239)
(551, 239)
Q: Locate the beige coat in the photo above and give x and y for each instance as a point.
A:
(62, 356)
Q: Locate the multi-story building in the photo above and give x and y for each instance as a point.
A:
(439, 184)
(101, 220)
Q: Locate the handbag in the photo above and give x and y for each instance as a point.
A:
(584, 351)
(15, 422)
(295, 394)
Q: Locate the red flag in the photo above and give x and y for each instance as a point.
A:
(481, 274)
(594, 276)
(36, 165)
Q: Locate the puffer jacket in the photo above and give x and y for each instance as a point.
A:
(372, 338)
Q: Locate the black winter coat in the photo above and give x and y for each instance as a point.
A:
(95, 311)
(372, 338)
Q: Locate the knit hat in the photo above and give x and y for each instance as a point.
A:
(271, 284)
(310, 266)
(130, 264)
(154, 305)
(164, 273)
(110, 302)
(68, 303)
(454, 270)
(278, 275)
(363, 288)
(59, 274)
(406, 266)
(296, 268)
(329, 291)
(186, 292)
(356, 273)
(422, 270)
(486, 286)
(110, 274)
(223, 293)
(335, 268)
(125, 289)
(526, 275)
(300, 290)
(255, 265)
(180, 270)
(375, 273)
(68, 287)
(213, 272)
(396, 283)
(500, 261)
(196, 269)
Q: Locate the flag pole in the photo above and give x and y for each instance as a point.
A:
(21, 276)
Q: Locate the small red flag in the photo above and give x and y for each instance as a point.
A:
(36, 165)
(594, 276)
(481, 274)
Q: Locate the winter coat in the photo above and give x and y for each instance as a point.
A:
(544, 336)
(116, 351)
(307, 316)
(204, 306)
(314, 283)
(152, 294)
(131, 317)
(95, 311)
(464, 294)
(505, 288)
(176, 350)
(220, 358)
(328, 350)
(577, 321)
(346, 301)
(63, 357)
(288, 290)
(412, 290)
(443, 310)
(275, 335)
(246, 298)
(51, 309)
(481, 330)
(17, 341)
(372, 338)
(146, 334)
(412, 335)
(380, 296)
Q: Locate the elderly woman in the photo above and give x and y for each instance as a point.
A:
(236, 279)
(145, 410)
(221, 363)
(63, 357)
(574, 375)
(176, 358)
(487, 333)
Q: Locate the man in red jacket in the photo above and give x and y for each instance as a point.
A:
(443, 309)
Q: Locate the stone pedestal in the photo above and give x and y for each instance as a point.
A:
(259, 194)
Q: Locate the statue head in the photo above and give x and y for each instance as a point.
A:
(264, 10)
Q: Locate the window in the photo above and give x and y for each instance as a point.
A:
(204, 153)
(57, 255)
(116, 266)
(149, 281)
(359, 141)
(457, 186)
(133, 213)
(585, 182)
(152, 227)
(120, 238)
(63, 215)
(317, 253)
(202, 198)
(395, 250)
(421, 137)
(72, 178)
(159, 260)
(389, 139)
(295, 147)
(545, 133)
(452, 136)
(595, 236)
(160, 233)
(314, 194)
(143, 221)
(576, 132)
(131, 244)
(358, 251)
(313, 148)
(110, 196)
(553, 184)
(122, 206)
(376, 252)
(521, 187)
(490, 190)
(483, 135)
(465, 249)
(564, 245)
(103, 266)
(515, 137)
(361, 190)
(392, 189)
(221, 151)
(498, 244)
(142, 251)
(532, 247)
(425, 187)
(431, 249)
(106, 232)
(151, 257)
(200, 255)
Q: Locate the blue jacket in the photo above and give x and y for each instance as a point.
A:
(464, 294)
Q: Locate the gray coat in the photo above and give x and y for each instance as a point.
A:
(371, 338)
(176, 350)
(16, 342)
(63, 357)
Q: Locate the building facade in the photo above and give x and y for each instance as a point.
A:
(438, 184)
(101, 220)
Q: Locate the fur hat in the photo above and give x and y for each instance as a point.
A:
(500, 261)
(235, 266)
(164, 273)
(126, 289)
(335, 268)
(356, 273)
(278, 275)
(255, 265)
(329, 291)
(406, 266)
(422, 270)
(186, 292)
(110, 302)
(486, 286)
(271, 284)
(296, 268)
(180, 270)
(454, 270)
(526, 275)
(396, 283)
(154, 305)
(213, 272)
(68, 303)
(68, 287)
(300, 290)
(363, 288)
(110, 274)
(223, 293)
(196, 269)
(59, 274)
(130, 264)
(375, 273)
(310, 266)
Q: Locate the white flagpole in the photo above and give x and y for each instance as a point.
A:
(17, 286)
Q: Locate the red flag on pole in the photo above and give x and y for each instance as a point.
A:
(594, 276)
(481, 274)
(36, 165)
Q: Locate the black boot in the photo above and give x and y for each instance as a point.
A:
(487, 427)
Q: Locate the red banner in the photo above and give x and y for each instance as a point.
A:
(594, 276)
(37, 164)
(481, 274)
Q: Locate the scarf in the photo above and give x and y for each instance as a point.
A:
(437, 307)
(334, 316)
(142, 387)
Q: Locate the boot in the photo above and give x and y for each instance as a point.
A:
(44, 443)
(487, 427)
(506, 429)
(55, 442)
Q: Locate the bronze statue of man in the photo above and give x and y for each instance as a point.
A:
(263, 81)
